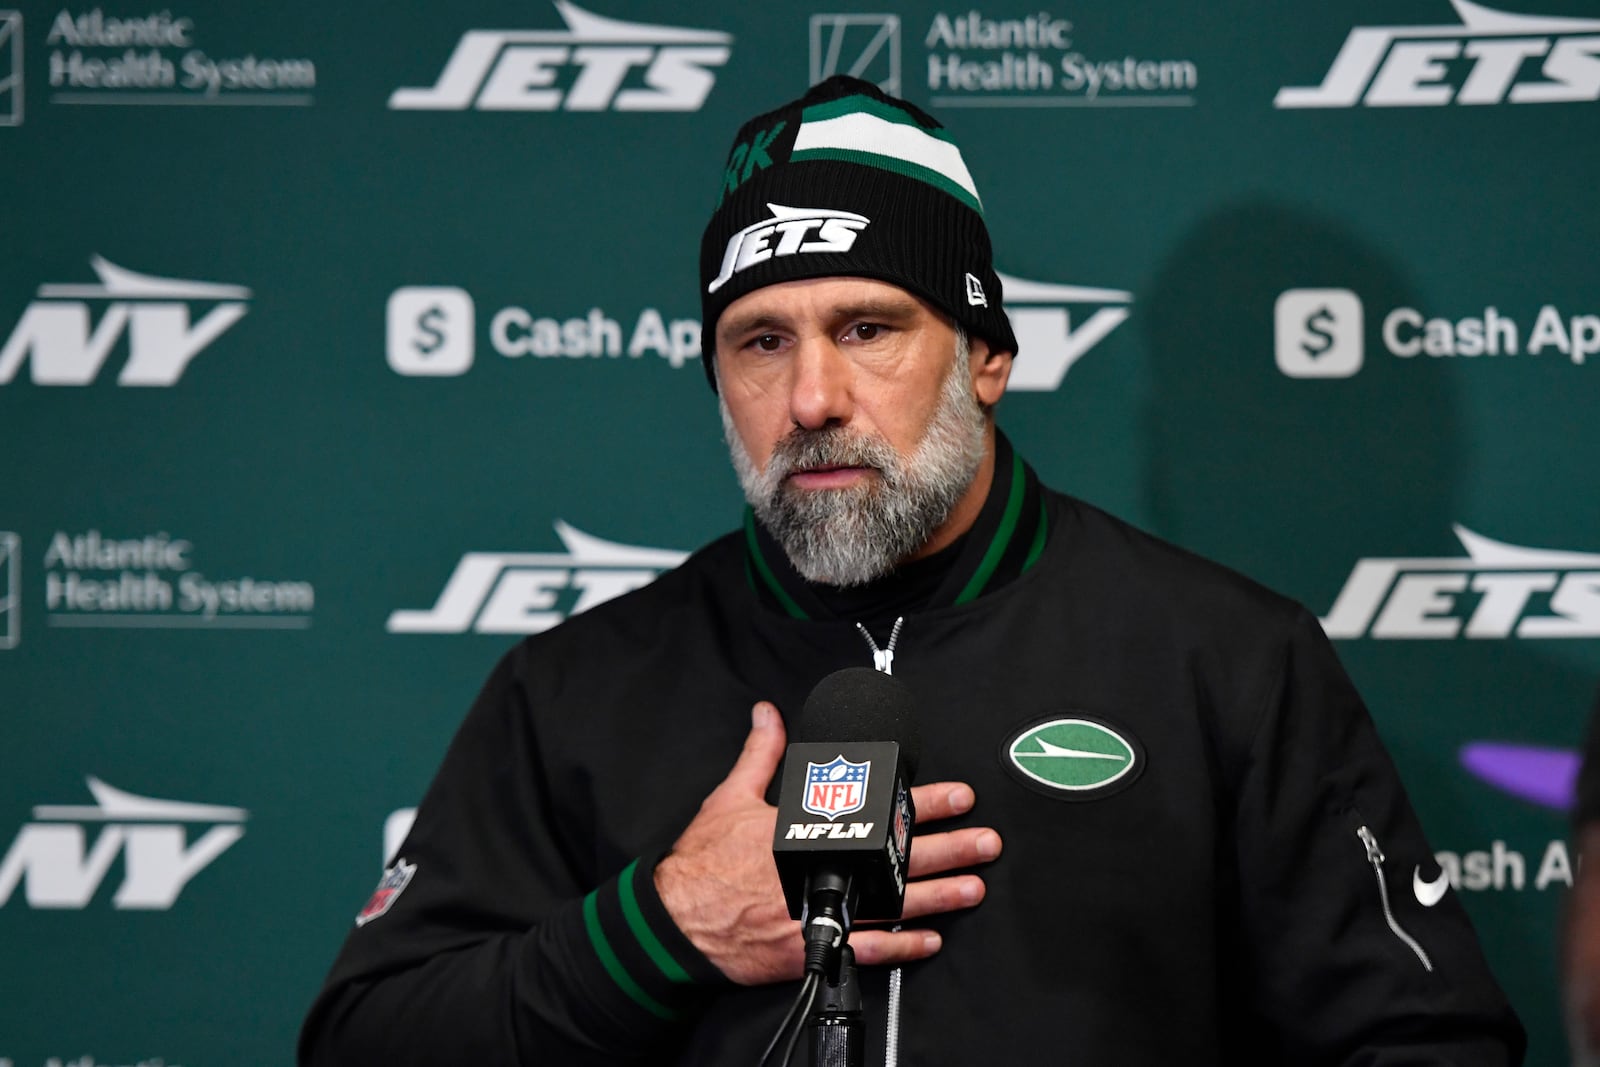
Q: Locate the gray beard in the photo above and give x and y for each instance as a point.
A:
(851, 536)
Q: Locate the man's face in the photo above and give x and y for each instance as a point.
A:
(854, 423)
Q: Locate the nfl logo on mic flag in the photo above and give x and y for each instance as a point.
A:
(836, 788)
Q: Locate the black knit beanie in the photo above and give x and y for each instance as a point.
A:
(848, 180)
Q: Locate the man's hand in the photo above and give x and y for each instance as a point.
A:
(720, 884)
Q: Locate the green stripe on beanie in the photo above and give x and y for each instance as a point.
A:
(849, 181)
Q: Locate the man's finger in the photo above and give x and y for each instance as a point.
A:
(939, 895)
(877, 947)
(941, 800)
(952, 850)
(763, 751)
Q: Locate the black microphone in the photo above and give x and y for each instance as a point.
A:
(843, 837)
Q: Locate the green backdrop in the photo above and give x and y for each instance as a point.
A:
(344, 342)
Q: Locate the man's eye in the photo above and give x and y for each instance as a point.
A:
(867, 331)
(768, 342)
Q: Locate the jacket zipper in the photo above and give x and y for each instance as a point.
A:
(891, 1040)
(883, 660)
(1375, 857)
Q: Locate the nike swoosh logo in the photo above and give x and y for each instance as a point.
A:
(1429, 893)
(1071, 753)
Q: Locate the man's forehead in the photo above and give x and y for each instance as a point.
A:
(821, 297)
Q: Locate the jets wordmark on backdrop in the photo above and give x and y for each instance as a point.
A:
(1499, 591)
(431, 331)
(62, 344)
(529, 592)
(595, 64)
(1491, 57)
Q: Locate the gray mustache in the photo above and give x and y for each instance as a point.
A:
(803, 449)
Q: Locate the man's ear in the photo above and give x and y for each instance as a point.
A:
(990, 372)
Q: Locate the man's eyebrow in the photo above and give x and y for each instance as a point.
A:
(897, 310)
(892, 310)
(758, 320)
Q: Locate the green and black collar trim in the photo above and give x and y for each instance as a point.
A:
(1006, 539)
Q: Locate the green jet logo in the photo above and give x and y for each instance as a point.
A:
(1073, 758)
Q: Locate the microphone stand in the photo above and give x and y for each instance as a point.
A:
(837, 1039)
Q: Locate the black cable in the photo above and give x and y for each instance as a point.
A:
(800, 1024)
(806, 996)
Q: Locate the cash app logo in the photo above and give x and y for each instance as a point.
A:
(430, 331)
(1318, 333)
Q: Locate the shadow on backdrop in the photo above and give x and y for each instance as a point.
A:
(1288, 480)
(1293, 480)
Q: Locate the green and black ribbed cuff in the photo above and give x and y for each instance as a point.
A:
(642, 952)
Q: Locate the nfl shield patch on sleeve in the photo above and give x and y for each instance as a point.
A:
(390, 886)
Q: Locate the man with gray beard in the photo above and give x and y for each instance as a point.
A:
(1208, 855)
(852, 536)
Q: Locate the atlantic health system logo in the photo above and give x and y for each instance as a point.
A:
(595, 64)
(63, 345)
(11, 87)
(1490, 57)
(862, 46)
(10, 590)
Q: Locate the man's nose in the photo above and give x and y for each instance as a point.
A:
(820, 393)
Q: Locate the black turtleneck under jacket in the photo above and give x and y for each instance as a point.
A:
(1209, 858)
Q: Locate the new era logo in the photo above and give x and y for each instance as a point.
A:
(10, 68)
(975, 294)
(862, 46)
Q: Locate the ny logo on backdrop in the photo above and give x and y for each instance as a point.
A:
(63, 345)
(595, 64)
(1049, 344)
(58, 868)
(1489, 58)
